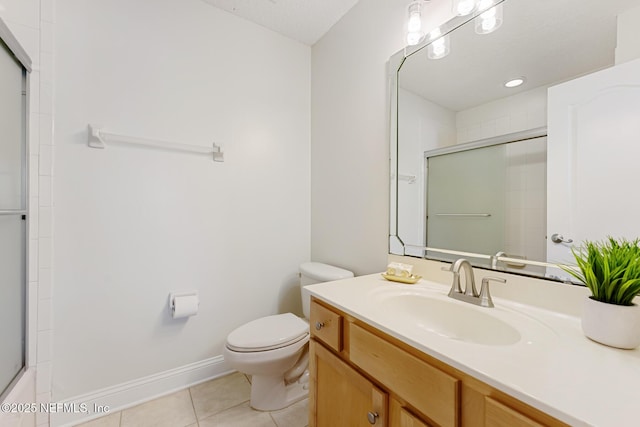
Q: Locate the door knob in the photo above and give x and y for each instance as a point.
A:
(558, 238)
(319, 325)
(372, 417)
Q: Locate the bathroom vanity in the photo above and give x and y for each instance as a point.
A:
(386, 354)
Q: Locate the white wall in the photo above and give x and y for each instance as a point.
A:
(523, 111)
(350, 133)
(133, 224)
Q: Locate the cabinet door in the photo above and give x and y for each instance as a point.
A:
(399, 416)
(407, 419)
(499, 415)
(426, 388)
(340, 396)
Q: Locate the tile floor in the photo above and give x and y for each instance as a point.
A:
(220, 402)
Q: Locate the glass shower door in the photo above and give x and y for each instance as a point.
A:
(13, 214)
(466, 200)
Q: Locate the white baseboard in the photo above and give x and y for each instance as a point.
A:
(132, 393)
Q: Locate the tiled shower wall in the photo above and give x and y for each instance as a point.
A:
(32, 22)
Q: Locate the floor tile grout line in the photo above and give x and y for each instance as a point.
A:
(195, 413)
(273, 419)
(224, 410)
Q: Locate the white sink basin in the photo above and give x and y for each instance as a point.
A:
(434, 313)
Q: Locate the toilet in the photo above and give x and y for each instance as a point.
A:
(274, 350)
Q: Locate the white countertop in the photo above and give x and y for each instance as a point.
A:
(554, 367)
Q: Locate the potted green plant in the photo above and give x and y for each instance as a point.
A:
(611, 270)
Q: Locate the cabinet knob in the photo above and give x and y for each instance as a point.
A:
(372, 417)
(319, 325)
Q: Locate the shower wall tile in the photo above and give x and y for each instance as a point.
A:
(34, 166)
(43, 418)
(43, 378)
(34, 92)
(33, 260)
(46, 69)
(47, 11)
(45, 253)
(44, 315)
(32, 324)
(45, 222)
(45, 286)
(46, 40)
(44, 346)
(34, 133)
(34, 220)
(46, 129)
(46, 97)
(46, 153)
(45, 191)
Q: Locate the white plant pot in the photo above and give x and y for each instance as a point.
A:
(613, 325)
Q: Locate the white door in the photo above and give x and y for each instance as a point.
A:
(593, 165)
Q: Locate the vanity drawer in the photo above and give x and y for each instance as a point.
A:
(427, 389)
(497, 414)
(326, 326)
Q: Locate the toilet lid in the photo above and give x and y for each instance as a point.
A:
(268, 333)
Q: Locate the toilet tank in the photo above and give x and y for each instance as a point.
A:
(317, 272)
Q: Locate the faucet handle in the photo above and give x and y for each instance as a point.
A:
(485, 295)
(455, 286)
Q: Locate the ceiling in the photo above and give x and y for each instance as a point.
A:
(303, 20)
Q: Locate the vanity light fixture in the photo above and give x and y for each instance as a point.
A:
(514, 82)
(489, 20)
(415, 33)
(439, 47)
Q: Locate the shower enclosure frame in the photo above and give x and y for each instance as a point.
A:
(10, 44)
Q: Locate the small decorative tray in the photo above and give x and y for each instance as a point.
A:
(413, 279)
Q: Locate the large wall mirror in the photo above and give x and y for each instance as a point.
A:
(513, 177)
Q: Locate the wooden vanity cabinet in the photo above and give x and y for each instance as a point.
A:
(361, 376)
(340, 395)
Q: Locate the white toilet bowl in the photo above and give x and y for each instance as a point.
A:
(274, 350)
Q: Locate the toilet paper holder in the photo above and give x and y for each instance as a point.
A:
(179, 310)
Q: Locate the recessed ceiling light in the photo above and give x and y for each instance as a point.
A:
(514, 82)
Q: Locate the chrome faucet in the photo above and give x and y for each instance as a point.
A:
(470, 294)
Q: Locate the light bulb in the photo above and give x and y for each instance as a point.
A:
(415, 22)
(439, 48)
(488, 24)
(489, 20)
(484, 4)
(414, 38)
(463, 7)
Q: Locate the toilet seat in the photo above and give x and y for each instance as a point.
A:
(268, 333)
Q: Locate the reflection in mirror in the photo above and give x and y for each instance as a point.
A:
(581, 82)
